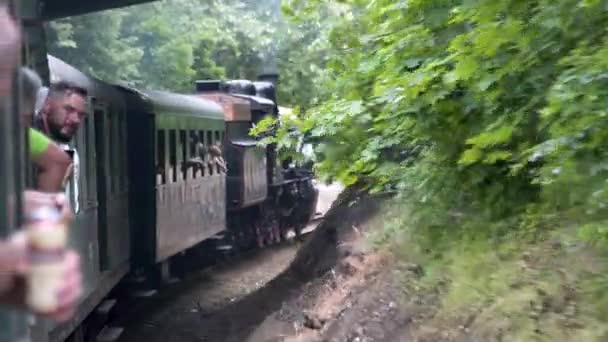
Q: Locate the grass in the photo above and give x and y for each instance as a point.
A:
(549, 289)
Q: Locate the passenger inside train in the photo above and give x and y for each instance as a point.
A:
(215, 153)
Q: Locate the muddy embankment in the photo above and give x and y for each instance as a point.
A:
(337, 288)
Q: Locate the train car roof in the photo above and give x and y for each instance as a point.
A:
(55, 9)
(166, 102)
(64, 72)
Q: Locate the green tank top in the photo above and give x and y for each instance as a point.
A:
(39, 143)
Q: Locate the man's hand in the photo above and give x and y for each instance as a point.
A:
(35, 199)
(15, 266)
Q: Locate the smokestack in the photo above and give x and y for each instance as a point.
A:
(270, 75)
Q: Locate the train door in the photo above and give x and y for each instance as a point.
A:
(83, 235)
(112, 179)
(100, 111)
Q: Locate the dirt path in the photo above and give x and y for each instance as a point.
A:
(210, 305)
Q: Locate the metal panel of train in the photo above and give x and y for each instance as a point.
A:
(247, 183)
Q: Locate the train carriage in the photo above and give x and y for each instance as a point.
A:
(187, 204)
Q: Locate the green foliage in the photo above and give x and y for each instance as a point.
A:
(171, 43)
(488, 116)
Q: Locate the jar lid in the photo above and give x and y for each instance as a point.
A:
(44, 213)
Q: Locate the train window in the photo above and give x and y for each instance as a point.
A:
(172, 156)
(161, 162)
(89, 142)
(118, 151)
(91, 139)
(209, 138)
(81, 148)
(114, 148)
(192, 139)
(110, 181)
(115, 145)
(222, 137)
(217, 137)
(201, 136)
(201, 139)
(183, 153)
(122, 149)
(125, 153)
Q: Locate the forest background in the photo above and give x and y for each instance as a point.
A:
(487, 118)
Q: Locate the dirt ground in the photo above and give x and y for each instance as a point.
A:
(331, 288)
(356, 297)
(218, 304)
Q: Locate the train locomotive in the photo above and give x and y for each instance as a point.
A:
(161, 173)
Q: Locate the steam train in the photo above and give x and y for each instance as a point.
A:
(142, 202)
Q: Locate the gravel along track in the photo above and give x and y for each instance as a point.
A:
(222, 303)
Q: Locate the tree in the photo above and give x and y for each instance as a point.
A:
(489, 108)
(236, 39)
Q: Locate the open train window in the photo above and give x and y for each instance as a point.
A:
(161, 158)
(82, 148)
(201, 136)
(201, 139)
(173, 156)
(192, 140)
(91, 175)
(209, 138)
(183, 153)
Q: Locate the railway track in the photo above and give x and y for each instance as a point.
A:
(201, 294)
(220, 278)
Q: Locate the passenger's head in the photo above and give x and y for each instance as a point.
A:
(30, 84)
(65, 108)
(215, 150)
